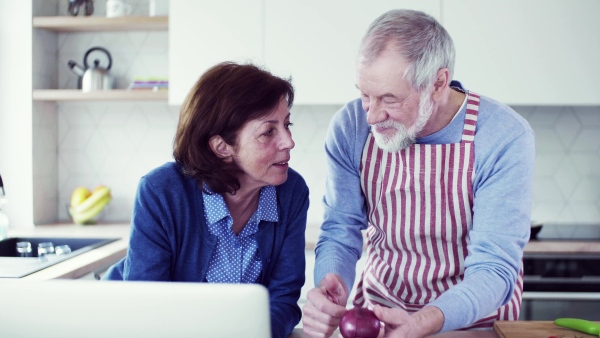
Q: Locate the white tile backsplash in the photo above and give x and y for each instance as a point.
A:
(115, 143)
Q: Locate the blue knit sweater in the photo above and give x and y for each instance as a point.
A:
(171, 242)
(504, 163)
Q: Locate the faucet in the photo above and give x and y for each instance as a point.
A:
(2, 194)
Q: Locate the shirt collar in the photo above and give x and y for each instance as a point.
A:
(215, 208)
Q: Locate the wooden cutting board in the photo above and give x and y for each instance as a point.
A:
(537, 329)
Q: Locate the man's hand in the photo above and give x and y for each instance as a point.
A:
(399, 323)
(325, 305)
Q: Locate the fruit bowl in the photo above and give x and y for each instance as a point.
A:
(94, 220)
(87, 207)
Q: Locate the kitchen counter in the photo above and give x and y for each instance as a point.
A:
(297, 333)
(106, 255)
(502, 329)
(519, 329)
(563, 246)
(86, 262)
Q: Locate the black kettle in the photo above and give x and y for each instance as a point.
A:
(95, 77)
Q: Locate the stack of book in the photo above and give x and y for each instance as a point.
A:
(154, 84)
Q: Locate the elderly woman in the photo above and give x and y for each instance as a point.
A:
(229, 209)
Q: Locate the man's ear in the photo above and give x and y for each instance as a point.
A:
(220, 147)
(441, 83)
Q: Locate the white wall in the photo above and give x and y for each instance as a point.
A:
(16, 163)
(114, 143)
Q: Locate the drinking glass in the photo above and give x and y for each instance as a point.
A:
(62, 250)
(24, 249)
(45, 248)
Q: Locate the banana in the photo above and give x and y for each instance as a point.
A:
(88, 214)
(79, 195)
(98, 194)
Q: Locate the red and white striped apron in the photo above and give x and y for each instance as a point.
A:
(420, 212)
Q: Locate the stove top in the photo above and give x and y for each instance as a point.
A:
(564, 272)
(569, 231)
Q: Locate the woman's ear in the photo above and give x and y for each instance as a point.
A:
(220, 147)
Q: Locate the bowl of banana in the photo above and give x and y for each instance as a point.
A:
(86, 205)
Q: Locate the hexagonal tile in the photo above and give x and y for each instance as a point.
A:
(158, 115)
(96, 150)
(586, 190)
(155, 43)
(566, 178)
(587, 139)
(77, 164)
(546, 140)
(117, 139)
(544, 116)
(77, 114)
(589, 116)
(137, 126)
(582, 212)
(79, 43)
(115, 117)
(75, 138)
(546, 190)
(524, 111)
(546, 164)
(567, 127)
(586, 164)
(115, 162)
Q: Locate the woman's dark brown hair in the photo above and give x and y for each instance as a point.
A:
(225, 97)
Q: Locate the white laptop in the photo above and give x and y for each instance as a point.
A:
(87, 308)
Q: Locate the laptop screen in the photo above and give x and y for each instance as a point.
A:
(86, 308)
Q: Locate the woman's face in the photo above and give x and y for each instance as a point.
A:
(263, 149)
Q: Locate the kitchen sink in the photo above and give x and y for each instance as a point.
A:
(13, 265)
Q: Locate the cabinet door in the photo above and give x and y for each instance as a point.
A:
(316, 42)
(527, 52)
(203, 33)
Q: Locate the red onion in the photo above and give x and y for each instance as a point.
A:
(359, 322)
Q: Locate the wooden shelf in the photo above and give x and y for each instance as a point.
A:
(100, 24)
(102, 95)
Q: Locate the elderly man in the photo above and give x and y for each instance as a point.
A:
(439, 176)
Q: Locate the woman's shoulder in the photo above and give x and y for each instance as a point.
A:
(169, 175)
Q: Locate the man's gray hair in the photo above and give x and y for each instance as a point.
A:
(420, 39)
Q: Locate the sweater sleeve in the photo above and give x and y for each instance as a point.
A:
(287, 276)
(340, 241)
(501, 225)
(149, 252)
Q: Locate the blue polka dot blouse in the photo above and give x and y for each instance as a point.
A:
(236, 258)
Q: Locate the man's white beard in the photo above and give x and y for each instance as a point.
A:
(404, 137)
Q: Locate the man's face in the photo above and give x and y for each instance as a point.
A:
(395, 111)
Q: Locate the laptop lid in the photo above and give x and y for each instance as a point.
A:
(86, 308)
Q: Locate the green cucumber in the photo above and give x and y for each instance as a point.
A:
(579, 325)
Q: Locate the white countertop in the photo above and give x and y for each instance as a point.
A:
(106, 255)
(558, 246)
(86, 262)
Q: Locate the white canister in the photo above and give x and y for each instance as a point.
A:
(159, 7)
(116, 8)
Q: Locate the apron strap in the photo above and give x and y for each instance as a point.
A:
(468, 134)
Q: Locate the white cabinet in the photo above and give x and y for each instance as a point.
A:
(527, 52)
(16, 121)
(316, 42)
(521, 52)
(203, 33)
(313, 41)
